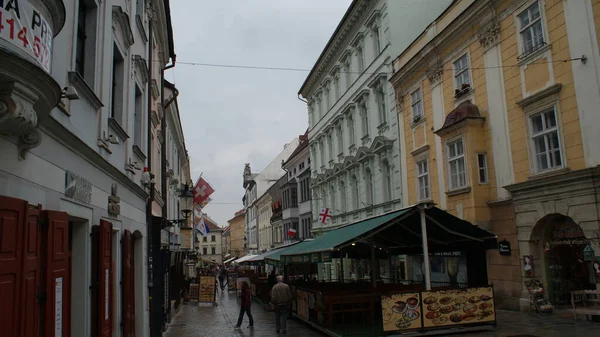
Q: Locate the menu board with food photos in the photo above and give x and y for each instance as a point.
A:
(401, 312)
(458, 307)
(207, 289)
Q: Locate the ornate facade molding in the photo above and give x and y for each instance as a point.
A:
(489, 35)
(122, 19)
(435, 72)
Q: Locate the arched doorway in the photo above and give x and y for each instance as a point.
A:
(565, 267)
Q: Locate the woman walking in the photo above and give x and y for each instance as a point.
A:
(246, 305)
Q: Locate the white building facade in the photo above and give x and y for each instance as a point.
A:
(211, 245)
(255, 186)
(73, 110)
(296, 194)
(355, 135)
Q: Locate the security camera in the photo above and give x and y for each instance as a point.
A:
(113, 139)
(70, 93)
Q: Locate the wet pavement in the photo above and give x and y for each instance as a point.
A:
(218, 321)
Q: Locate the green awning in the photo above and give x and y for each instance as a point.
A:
(319, 249)
(260, 259)
(274, 257)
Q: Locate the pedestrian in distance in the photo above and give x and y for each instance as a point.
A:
(281, 297)
(246, 306)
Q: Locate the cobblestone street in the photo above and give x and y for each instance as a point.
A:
(219, 321)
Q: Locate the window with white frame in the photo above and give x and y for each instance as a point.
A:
(386, 180)
(416, 101)
(340, 136)
(456, 164)
(531, 29)
(364, 114)
(380, 96)
(360, 57)
(368, 187)
(348, 73)
(545, 139)
(461, 72)
(330, 146)
(322, 152)
(332, 203)
(351, 129)
(376, 40)
(342, 196)
(482, 168)
(423, 179)
(355, 192)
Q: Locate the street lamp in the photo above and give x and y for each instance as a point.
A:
(187, 196)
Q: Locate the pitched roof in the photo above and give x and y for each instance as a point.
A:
(301, 146)
(211, 224)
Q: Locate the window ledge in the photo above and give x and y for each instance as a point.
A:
(365, 139)
(417, 121)
(86, 91)
(533, 55)
(139, 152)
(549, 173)
(112, 123)
(382, 126)
(420, 150)
(458, 191)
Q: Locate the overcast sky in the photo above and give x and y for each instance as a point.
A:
(235, 116)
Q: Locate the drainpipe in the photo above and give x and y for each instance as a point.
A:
(149, 163)
(163, 179)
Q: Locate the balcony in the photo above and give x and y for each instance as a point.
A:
(27, 90)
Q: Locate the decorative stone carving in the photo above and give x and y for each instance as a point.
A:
(30, 139)
(114, 202)
(434, 74)
(489, 35)
(18, 117)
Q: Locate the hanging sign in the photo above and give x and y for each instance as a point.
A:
(504, 248)
(23, 26)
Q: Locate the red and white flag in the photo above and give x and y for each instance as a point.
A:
(291, 232)
(325, 215)
(202, 191)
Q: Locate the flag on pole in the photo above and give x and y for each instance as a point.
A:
(202, 192)
(204, 203)
(291, 232)
(199, 222)
(325, 215)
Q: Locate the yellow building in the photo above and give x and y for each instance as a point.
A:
(237, 234)
(499, 101)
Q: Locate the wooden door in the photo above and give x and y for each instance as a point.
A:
(105, 275)
(13, 215)
(57, 283)
(31, 289)
(128, 286)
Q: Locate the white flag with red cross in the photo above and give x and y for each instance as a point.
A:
(325, 215)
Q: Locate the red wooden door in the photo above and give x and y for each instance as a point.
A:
(13, 213)
(128, 304)
(57, 309)
(105, 275)
(32, 276)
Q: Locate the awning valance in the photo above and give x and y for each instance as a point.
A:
(274, 257)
